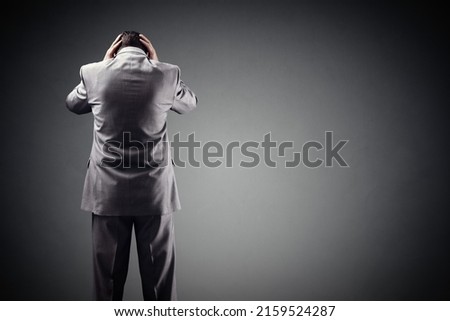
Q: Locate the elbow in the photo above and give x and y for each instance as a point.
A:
(196, 102)
(69, 104)
(191, 106)
(76, 106)
(186, 106)
(193, 103)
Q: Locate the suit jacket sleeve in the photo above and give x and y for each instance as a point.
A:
(185, 100)
(77, 101)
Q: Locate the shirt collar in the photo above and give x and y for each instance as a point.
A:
(131, 49)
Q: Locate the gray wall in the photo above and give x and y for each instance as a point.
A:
(376, 75)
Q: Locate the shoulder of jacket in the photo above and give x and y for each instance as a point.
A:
(166, 66)
(93, 65)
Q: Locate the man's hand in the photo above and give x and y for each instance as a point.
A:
(111, 52)
(151, 51)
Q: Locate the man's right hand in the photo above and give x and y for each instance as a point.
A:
(111, 52)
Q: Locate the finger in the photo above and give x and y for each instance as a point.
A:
(146, 45)
(145, 42)
(119, 37)
(115, 47)
(117, 44)
(144, 38)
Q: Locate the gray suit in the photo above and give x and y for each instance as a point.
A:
(130, 170)
(130, 179)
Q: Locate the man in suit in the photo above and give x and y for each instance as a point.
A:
(130, 179)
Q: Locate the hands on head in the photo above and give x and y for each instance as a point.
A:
(112, 50)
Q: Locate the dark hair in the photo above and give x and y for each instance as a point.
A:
(131, 38)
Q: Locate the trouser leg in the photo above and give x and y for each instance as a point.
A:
(155, 242)
(111, 236)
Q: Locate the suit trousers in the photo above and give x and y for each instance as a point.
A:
(155, 241)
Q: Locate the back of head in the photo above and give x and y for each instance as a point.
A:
(131, 38)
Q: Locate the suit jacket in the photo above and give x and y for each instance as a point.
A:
(129, 171)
